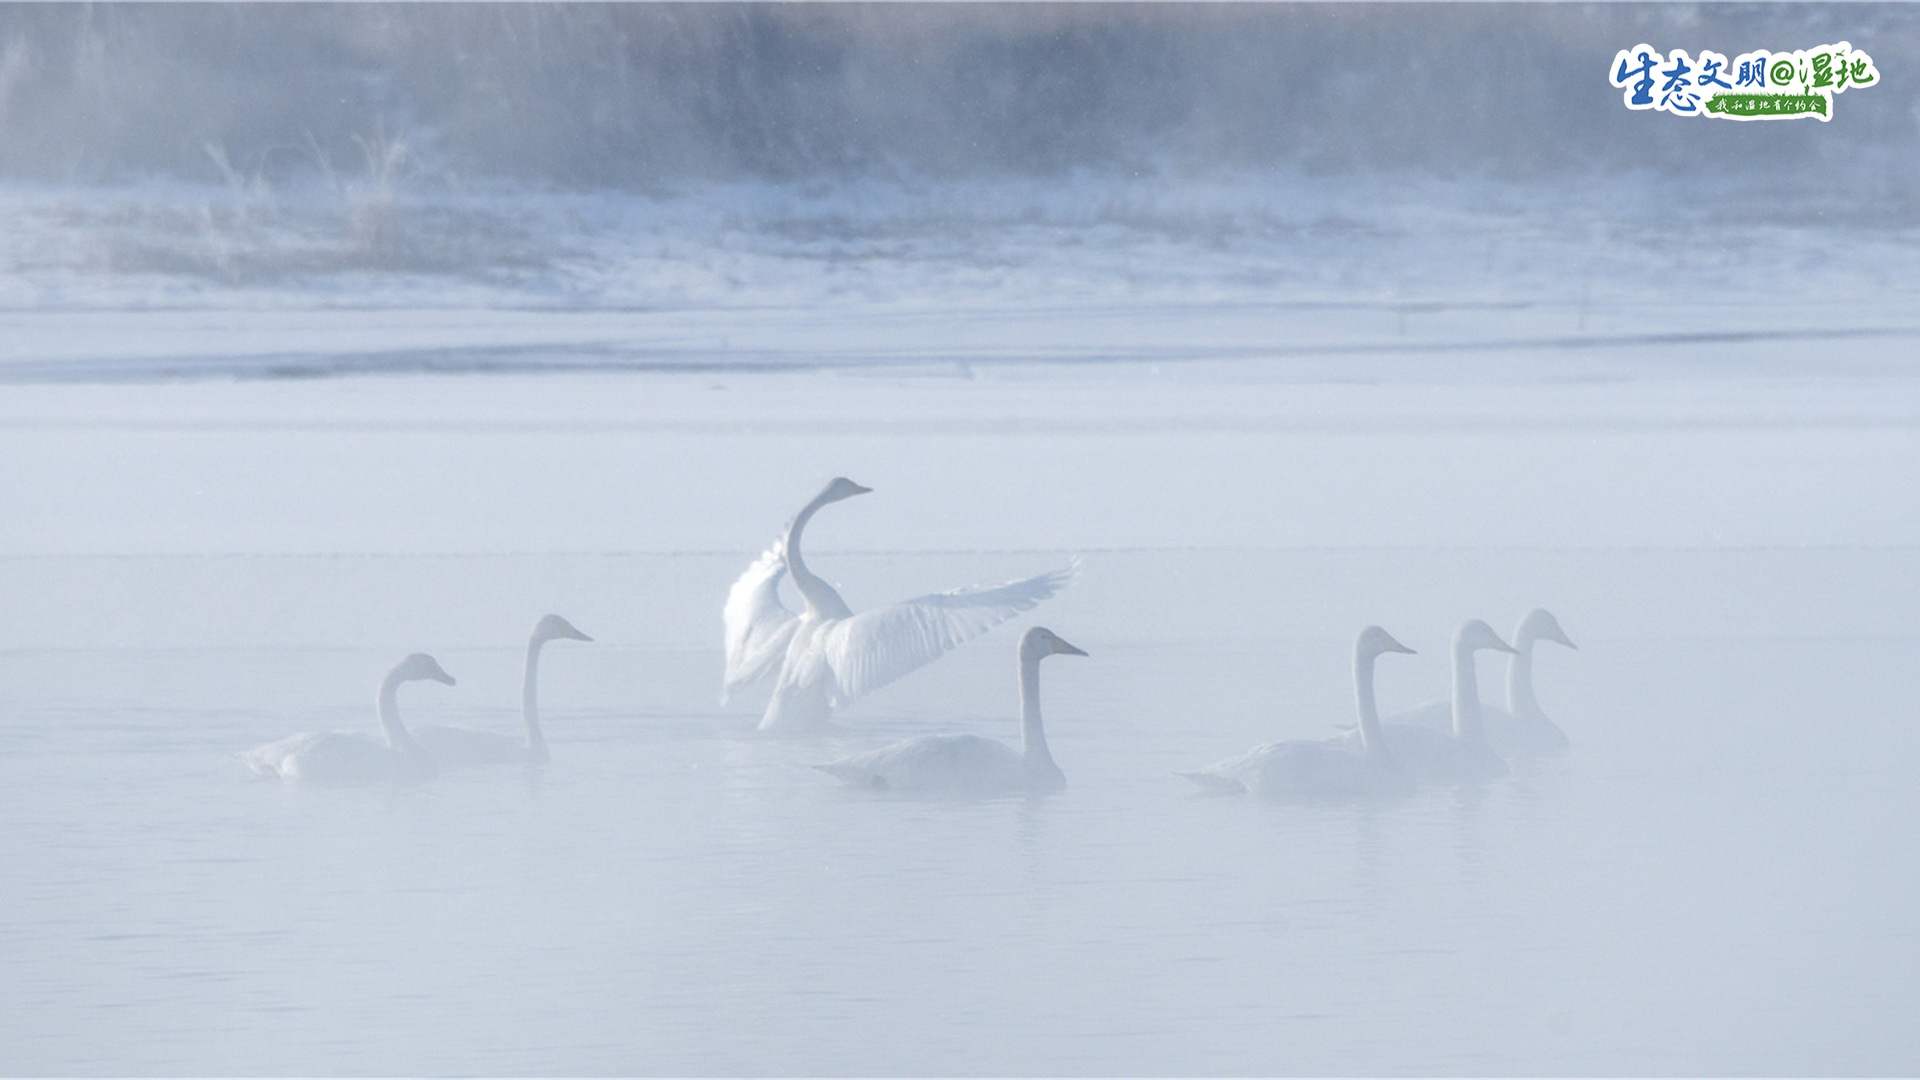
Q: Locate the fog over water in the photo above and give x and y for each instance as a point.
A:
(334, 333)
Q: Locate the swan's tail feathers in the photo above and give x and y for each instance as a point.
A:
(1215, 784)
(279, 759)
(758, 625)
(873, 648)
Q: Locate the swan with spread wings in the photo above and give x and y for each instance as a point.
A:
(826, 655)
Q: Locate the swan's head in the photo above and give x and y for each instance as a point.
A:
(1040, 641)
(421, 666)
(554, 628)
(1374, 641)
(1540, 625)
(1476, 635)
(842, 488)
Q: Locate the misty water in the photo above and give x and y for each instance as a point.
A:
(330, 334)
(1713, 879)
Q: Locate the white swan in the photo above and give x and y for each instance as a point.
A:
(827, 656)
(968, 765)
(465, 746)
(1334, 768)
(1521, 729)
(1462, 754)
(341, 757)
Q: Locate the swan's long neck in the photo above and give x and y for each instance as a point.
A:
(389, 705)
(821, 600)
(530, 703)
(1033, 738)
(1520, 699)
(1466, 697)
(1370, 735)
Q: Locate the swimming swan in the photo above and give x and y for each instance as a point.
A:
(1521, 729)
(1462, 754)
(341, 757)
(827, 656)
(1334, 768)
(465, 746)
(968, 765)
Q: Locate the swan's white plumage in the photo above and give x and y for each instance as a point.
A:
(1299, 769)
(964, 765)
(1461, 754)
(336, 757)
(466, 746)
(1521, 729)
(1438, 716)
(1310, 769)
(1506, 734)
(341, 757)
(758, 625)
(1435, 757)
(1525, 736)
(871, 649)
(968, 765)
(826, 655)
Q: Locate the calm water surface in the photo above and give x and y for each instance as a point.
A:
(1718, 878)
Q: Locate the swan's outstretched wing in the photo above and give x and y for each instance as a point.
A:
(875, 647)
(758, 624)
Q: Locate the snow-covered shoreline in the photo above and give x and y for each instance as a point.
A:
(173, 281)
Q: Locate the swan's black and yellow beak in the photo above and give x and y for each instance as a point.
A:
(1070, 650)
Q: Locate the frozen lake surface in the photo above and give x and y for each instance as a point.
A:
(1718, 878)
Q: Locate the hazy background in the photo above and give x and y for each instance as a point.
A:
(333, 333)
